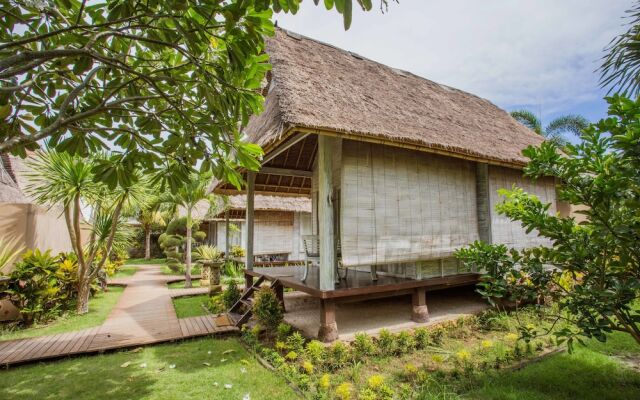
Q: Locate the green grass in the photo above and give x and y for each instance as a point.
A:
(101, 376)
(588, 373)
(190, 306)
(180, 284)
(99, 307)
(125, 271)
(142, 261)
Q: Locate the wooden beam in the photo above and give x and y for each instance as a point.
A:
(419, 310)
(226, 235)
(483, 203)
(284, 146)
(286, 172)
(251, 180)
(325, 213)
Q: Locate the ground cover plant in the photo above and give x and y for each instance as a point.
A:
(469, 356)
(124, 272)
(100, 305)
(142, 261)
(197, 369)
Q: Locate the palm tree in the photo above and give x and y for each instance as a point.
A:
(149, 219)
(68, 180)
(620, 67)
(555, 130)
(190, 193)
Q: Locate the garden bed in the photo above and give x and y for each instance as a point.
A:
(460, 358)
(100, 306)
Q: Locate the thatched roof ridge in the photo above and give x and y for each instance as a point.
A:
(272, 203)
(318, 86)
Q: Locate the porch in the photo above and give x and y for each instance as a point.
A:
(318, 315)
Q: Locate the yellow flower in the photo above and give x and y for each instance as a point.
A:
(325, 381)
(292, 356)
(410, 369)
(511, 337)
(375, 381)
(463, 355)
(487, 344)
(308, 367)
(343, 391)
(437, 358)
(213, 41)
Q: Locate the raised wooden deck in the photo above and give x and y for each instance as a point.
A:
(358, 284)
(144, 315)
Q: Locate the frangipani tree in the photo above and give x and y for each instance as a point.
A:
(171, 81)
(61, 179)
(186, 197)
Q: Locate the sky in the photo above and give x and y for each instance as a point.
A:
(540, 55)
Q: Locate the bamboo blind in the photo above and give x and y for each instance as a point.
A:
(400, 206)
(511, 233)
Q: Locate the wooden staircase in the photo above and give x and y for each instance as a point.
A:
(241, 311)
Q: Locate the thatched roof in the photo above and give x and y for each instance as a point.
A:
(318, 86)
(9, 190)
(261, 203)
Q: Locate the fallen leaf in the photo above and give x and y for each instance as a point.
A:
(243, 370)
(206, 363)
(125, 365)
(246, 397)
(223, 359)
(143, 365)
(136, 350)
(209, 352)
(228, 386)
(172, 366)
(228, 351)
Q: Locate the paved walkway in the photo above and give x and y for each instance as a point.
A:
(143, 315)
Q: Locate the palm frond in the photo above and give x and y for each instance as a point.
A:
(566, 123)
(528, 119)
(620, 69)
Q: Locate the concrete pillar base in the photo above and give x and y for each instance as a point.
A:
(328, 333)
(420, 314)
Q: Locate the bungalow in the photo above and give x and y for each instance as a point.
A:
(401, 172)
(279, 224)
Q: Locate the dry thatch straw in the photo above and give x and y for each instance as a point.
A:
(317, 86)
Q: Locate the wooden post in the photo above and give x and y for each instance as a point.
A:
(279, 289)
(325, 213)
(251, 179)
(328, 331)
(227, 247)
(419, 310)
(483, 203)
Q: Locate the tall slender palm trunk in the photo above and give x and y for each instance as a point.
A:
(187, 269)
(147, 243)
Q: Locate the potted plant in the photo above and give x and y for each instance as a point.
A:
(211, 261)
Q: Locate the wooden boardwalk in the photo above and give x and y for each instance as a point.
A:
(144, 315)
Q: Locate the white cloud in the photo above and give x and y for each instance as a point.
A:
(535, 53)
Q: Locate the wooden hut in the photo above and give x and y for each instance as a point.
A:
(402, 171)
(279, 223)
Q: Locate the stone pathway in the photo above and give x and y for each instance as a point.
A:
(143, 315)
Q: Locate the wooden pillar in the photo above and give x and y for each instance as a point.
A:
(483, 203)
(419, 310)
(325, 213)
(279, 289)
(251, 180)
(328, 331)
(227, 247)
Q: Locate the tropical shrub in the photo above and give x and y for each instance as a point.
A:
(267, 309)
(42, 286)
(363, 345)
(231, 295)
(590, 269)
(206, 253)
(237, 252)
(216, 304)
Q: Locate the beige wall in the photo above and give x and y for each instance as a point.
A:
(34, 226)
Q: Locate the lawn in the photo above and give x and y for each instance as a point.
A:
(180, 284)
(99, 307)
(125, 271)
(588, 373)
(142, 261)
(149, 375)
(191, 306)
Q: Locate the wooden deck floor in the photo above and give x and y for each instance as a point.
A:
(359, 283)
(144, 315)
